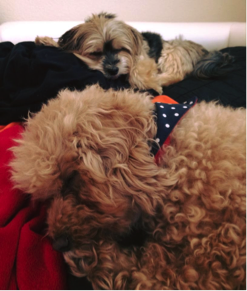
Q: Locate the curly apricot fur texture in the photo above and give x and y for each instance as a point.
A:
(88, 152)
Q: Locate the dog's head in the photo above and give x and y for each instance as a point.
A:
(88, 152)
(104, 44)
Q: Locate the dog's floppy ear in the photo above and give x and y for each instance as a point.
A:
(137, 40)
(70, 41)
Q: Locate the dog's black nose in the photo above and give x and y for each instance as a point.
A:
(62, 244)
(112, 70)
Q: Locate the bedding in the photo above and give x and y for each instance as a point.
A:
(27, 258)
(30, 75)
(228, 91)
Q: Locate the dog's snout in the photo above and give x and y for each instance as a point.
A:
(112, 70)
(62, 244)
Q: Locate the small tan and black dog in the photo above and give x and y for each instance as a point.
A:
(89, 153)
(115, 48)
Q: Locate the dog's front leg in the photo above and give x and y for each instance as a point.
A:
(144, 75)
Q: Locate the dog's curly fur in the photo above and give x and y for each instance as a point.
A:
(89, 153)
(115, 48)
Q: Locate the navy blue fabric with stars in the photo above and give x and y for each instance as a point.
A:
(167, 116)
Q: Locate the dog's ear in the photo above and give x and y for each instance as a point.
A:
(137, 41)
(71, 39)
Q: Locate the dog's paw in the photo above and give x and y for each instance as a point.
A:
(145, 75)
(158, 89)
(46, 40)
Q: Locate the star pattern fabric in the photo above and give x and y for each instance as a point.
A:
(167, 116)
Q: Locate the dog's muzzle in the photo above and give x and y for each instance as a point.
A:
(110, 65)
(111, 71)
(62, 244)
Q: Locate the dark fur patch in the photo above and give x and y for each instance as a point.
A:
(108, 46)
(213, 65)
(111, 59)
(135, 237)
(67, 40)
(71, 183)
(155, 44)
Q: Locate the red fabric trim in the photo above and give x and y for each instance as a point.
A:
(27, 258)
(164, 99)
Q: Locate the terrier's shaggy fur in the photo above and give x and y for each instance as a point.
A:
(115, 48)
(88, 152)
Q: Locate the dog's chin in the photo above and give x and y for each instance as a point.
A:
(114, 77)
(118, 76)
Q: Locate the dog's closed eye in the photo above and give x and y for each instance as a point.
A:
(96, 54)
(116, 51)
(123, 49)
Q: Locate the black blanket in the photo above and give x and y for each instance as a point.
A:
(30, 75)
(229, 91)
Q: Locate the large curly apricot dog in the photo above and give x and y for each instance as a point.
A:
(124, 221)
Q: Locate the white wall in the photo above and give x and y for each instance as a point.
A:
(127, 10)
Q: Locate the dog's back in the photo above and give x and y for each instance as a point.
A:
(179, 58)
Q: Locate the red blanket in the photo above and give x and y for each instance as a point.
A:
(27, 258)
